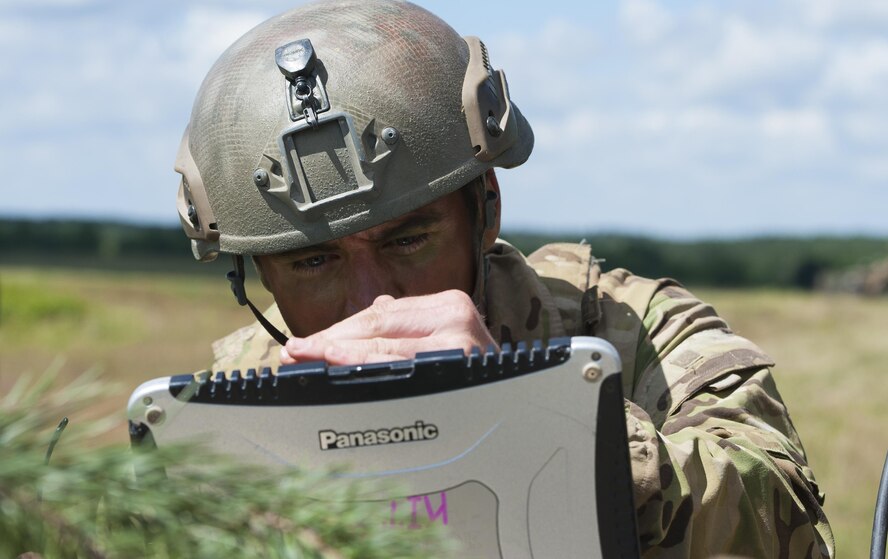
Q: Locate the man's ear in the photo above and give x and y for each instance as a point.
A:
(491, 210)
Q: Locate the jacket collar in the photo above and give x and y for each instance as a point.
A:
(517, 305)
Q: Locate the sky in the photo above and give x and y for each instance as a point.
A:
(677, 119)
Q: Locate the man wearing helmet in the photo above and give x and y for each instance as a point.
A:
(349, 147)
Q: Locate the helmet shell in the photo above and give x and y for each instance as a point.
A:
(404, 111)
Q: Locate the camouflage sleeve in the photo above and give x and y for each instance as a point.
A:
(717, 464)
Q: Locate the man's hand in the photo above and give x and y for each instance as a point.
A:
(392, 329)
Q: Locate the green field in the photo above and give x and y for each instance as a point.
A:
(830, 350)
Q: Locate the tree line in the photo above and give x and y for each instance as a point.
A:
(746, 262)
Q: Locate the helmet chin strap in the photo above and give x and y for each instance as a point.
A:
(236, 277)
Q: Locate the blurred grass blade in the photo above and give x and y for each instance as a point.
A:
(87, 501)
(57, 434)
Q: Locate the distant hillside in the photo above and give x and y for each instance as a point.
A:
(764, 261)
(759, 261)
(100, 245)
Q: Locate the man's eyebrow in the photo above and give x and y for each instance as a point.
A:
(328, 246)
(417, 220)
(409, 223)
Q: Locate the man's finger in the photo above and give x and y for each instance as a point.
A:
(302, 349)
(408, 317)
(342, 352)
(374, 350)
(359, 356)
(383, 299)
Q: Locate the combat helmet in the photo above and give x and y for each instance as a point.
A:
(333, 118)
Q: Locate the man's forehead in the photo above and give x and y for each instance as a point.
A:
(424, 216)
(428, 214)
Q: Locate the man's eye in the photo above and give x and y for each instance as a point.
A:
(412, 240)
(315, 261)
(409, 244)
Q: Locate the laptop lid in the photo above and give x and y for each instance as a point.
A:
(519, 453)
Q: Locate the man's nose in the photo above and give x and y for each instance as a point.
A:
(369, 280)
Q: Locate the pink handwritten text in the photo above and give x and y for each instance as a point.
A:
(420, 504)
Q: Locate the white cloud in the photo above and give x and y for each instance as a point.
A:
(97, 73)
(857, 72)
(565, 132)
(646, 21)
(741, 114)
(208, 31)
(807, 125)
(729, 113)
(52, 4)
(698, 129)
(827, 13)
(13, 31)
(864, 127)
(873, 168)
(741, 57)
(549, 68)
(105, 95)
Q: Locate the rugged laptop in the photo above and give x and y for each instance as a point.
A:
(520, 453)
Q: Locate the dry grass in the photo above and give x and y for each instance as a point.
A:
(830, 351)
(132, 327)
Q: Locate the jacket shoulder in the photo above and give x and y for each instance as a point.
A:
(571, 273)
(572, 269)
(670, 343)
(572, 263)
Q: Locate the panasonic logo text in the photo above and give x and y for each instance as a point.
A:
(419, 431)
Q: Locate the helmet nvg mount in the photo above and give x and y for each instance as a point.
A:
(335, 117)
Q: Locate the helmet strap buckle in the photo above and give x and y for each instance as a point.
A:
(236, 277)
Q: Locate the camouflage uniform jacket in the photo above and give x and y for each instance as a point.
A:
(717, 464)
